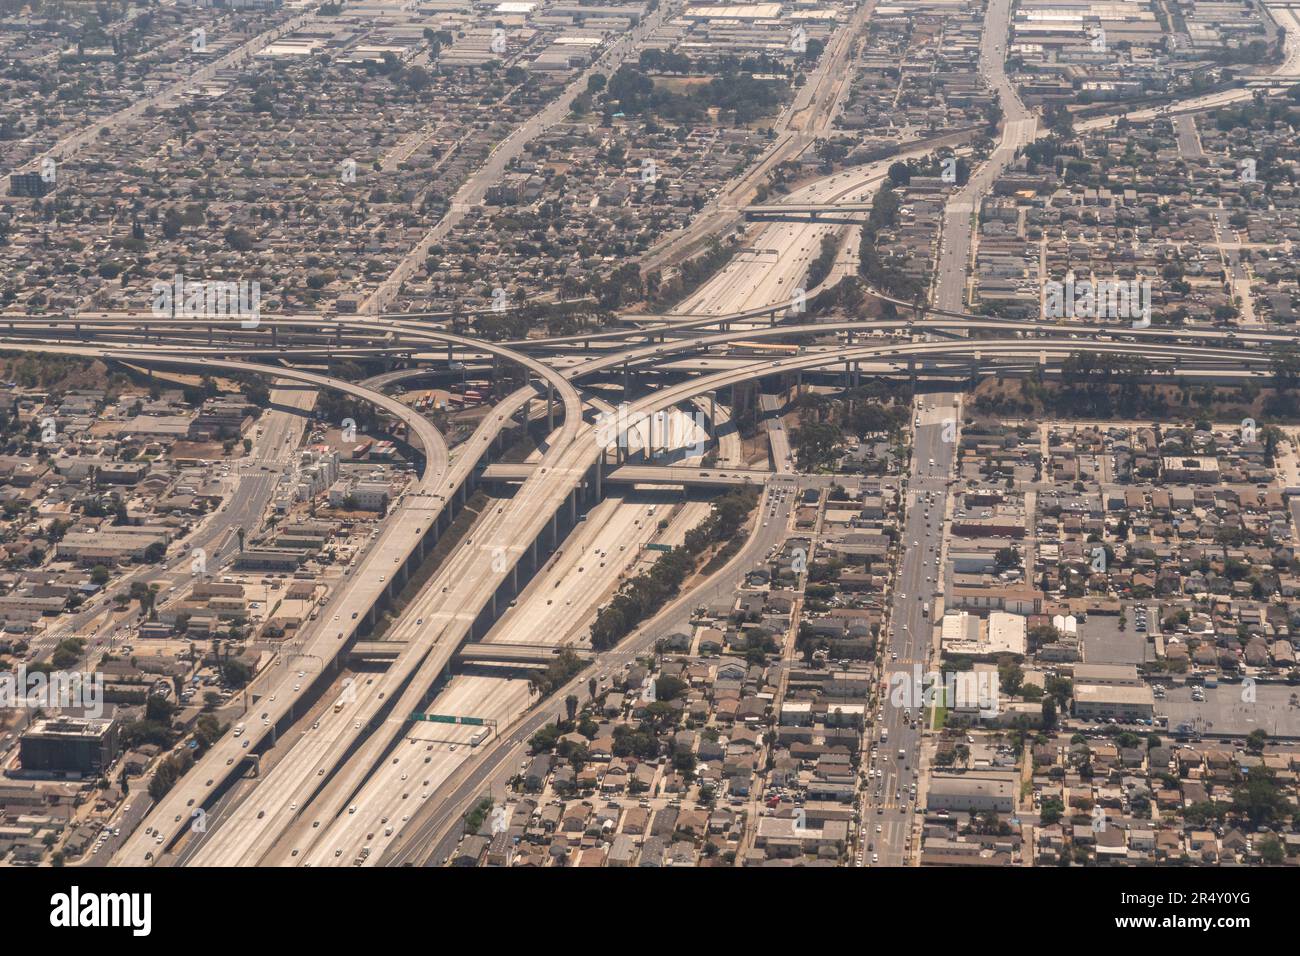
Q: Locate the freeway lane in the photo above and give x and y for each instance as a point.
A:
(432, 626)
(556, 607)
(434, 833)
(171, 815)
(808, 117)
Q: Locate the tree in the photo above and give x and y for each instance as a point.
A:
(206, 730)
(235, 672)
(168, 773)
(1260, 798)
(1270, 849)
(1052, 811)
(241, 533)
(1049, 713)
(571, 705)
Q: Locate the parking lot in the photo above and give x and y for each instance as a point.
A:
(1225, 713)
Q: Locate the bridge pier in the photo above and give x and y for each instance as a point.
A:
(555, 530)
(550, 408)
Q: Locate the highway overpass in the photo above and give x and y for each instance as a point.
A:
(674, 475)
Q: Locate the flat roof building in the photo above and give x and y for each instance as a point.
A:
(70, 745)
(1121, 702)
(978, 792)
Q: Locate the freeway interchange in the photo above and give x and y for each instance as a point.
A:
(330, 765)
(363, 775)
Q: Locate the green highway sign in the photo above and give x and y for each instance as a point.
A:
(655, 546)
(447, 719)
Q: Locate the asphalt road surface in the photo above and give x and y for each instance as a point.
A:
(888, 802)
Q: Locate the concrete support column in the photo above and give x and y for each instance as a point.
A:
(555, 530)
(573, 507)
(550, 408)
(532, 548)
(514, 578)
(600, 466)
